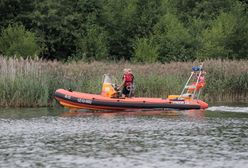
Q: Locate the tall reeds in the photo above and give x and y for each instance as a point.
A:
(31, 83)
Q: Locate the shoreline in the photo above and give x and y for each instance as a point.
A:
(31, 83)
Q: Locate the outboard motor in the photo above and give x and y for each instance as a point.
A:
(108, 89)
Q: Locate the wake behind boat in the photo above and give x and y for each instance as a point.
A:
(111, 99)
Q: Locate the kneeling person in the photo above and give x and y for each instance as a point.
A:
(127, 83)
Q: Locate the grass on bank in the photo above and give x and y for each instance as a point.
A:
(31, 83)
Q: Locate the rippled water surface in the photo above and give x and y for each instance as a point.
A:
(217, 137)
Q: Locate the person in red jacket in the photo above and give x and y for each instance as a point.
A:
(197, 85)
(127, 83)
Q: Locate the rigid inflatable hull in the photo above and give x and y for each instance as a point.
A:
(77, 100)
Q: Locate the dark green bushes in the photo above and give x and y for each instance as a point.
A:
(167, 30)
(18, 42)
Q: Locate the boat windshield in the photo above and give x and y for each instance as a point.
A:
(106, 78)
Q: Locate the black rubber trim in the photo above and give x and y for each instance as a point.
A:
(139, 105)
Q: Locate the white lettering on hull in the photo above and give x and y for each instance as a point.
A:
(80, 100)
(84, 101)
(179, 102)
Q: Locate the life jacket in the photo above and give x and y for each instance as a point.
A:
(128, 79)
(201, 79)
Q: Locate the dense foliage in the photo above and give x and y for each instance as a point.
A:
(137, 30)
(16, 41)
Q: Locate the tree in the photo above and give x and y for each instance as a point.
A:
(93, 45)
(203, 9)
(173, 39)
(148, 14)
(227, 36)
(214, 38)
(17, 41)
(60, 23)
(181, 29)
(16, 11)
(120, 20)
(145, 51)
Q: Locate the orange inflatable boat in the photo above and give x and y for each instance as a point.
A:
(108, 100)
(77, 100)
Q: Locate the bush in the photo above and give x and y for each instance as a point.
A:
(93, 45)
(214, 39)
(145, 51)
(16, 41)
(173, 39)
(227, 36)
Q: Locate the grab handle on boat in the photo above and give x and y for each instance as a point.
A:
(192, 73)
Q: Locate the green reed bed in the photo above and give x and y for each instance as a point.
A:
(31, 83)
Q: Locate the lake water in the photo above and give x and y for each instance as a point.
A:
(217, 137)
